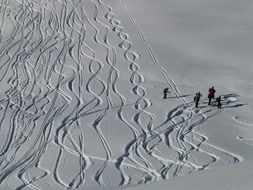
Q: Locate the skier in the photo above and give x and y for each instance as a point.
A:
(218, 99)
(165, 92)
(197, 98)
(211, 93)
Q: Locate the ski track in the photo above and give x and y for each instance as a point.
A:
(55, 87)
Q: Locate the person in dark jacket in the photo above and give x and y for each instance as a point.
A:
(211, 93)
(165, 92)
(218, 99)
(197, 98)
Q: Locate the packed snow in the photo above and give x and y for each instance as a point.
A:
(81, 94)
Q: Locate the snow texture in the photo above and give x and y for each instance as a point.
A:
(81, 94)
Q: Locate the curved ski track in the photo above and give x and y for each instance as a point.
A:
(60, 82)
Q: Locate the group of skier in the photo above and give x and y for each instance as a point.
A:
(198, 95)
(211, 93)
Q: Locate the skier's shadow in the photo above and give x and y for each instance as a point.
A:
(231, 104)
(236, 105)
(183, 96)
(231, 95)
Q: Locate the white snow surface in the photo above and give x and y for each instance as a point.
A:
(238, 176)
(81, 94)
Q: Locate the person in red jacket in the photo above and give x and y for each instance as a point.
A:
(211, 93)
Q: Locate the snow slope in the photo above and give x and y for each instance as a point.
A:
(237, 176)
(81, 94)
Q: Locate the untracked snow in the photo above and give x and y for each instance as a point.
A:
(81, 94)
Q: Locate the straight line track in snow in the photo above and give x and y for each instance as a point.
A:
(152, 55)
